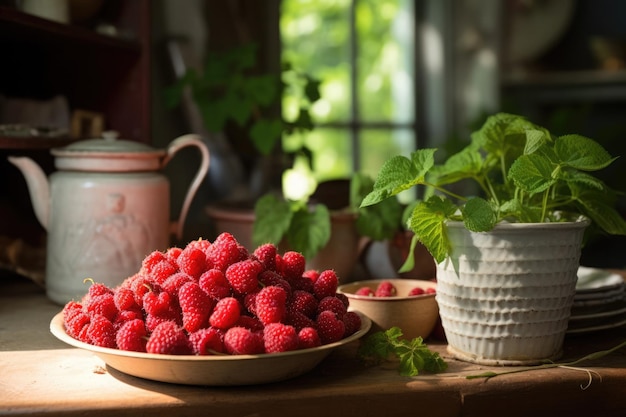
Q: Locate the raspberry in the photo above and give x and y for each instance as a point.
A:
(249, 301)
(416, 291)
(196, 306)
(326, 284)
(385, 289)
(172, 314)
(71, 309)
(192, 261)
(279, 337)
(101, 331)
(175, 282)
(97, 288)
(266, 254)
(299, 320)
(293, 265)
(352, 323)
(242, 341)
(333, 304)
(214, 283)
(103, 304)
(308, 338)
(75, 324)
(249, 322)
(267, 278)
(430, 291)
(224, 251)
(270, 304)
(127, 315)
(226, 313)
(157, 303)
(151, 260)
(207, 341)
(344, 299)
(329, 327)
(243, 276)
(302, 283)
(140, 285)
(168, 338)
(173, 253)
(311, 274)
(303, 302)
(132, 336)
(365, 291)
(125, 299)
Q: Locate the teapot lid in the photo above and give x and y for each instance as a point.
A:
(108, 154)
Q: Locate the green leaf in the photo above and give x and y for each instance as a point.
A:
(535, 139)
(262, 89)
(309, 231)
(532, 173)
(265, 134)
(465, 164)
(428, 223)
(582, 153)
(400, 173)
(604, 215)
(312, 90)
(272, 220)
(414, 355)
(479, 215)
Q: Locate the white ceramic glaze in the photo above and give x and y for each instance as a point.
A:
(505, 296)
(105, 208)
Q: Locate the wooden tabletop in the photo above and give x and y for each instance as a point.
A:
(42, 376)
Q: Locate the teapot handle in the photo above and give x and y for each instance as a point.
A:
(176, 145)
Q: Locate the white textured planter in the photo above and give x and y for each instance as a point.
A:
(510, 302)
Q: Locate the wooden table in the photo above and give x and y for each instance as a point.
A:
(42, 376)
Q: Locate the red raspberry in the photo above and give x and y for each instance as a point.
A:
(103, 304)
(101, 332)
(299, 320)
(311, 274)
(329, 327)
(71, 309)
(279, 337)
(151, 260)
(140, 285)
(242, 341)
(214, 283)
(249, 322)
(207, 341)
(249, 301)
(352, 323)
(157, 303)
(97, 288)
(385, 289)
(326, 284)
(243, 276)
(132, 336)
(226, 313)
(125, 299)
(267, 278)
(201, 244)
(168, 338)
(293, 265)
(308, 338)
(192, 261)
(173, 315)
(75, 324)
(344, 299)
(365, 291)
(225, 251)
(196, 306)
(158, 267)
(127, 315)
(266, 254)
(430, 291)
(271, 304)
(173, 253)
(333, 304)
(175, 282)
(302, 283)
(416, 291)
(303, 302)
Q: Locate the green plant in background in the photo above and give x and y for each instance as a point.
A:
(228, 90)
(307, 227)
(525, 175)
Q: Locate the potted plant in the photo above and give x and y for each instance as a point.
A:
(504, 291)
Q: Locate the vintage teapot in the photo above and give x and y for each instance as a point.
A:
(105, 208)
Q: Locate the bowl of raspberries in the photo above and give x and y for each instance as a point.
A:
(408, 304)
(212, 313)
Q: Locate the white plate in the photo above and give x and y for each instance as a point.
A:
(593, 279)
(598, 295)
(600, 315)
(595, 328)
(222, 370)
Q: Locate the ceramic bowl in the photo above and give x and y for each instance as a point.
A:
(218, 370)
(414, 315)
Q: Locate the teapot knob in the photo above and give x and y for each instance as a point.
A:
(110, 135)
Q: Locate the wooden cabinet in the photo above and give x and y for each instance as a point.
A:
(106, 74)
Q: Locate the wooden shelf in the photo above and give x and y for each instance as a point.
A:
(32, 142)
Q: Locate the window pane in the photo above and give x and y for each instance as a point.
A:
(315, 37)
(385, 31)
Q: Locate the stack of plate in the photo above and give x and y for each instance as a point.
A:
(599, 303)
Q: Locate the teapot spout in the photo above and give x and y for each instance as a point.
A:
(38, 187)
